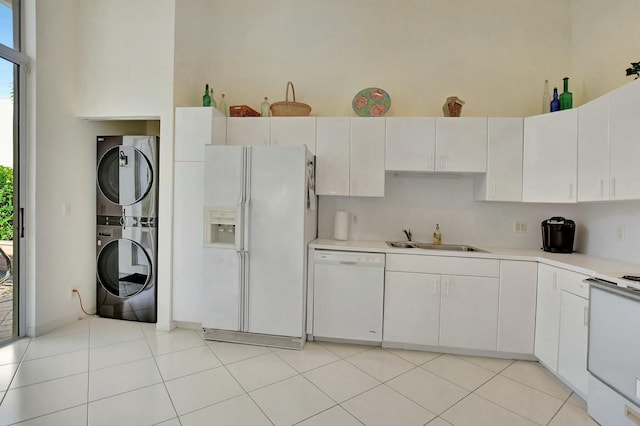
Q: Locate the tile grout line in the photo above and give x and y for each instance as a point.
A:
(239, 384)
(164, 383)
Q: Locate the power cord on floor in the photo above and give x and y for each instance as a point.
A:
(80, 299)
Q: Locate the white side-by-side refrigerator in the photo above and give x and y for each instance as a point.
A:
(260, 214)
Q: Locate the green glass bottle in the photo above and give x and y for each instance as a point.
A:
(206, 99)
(566, 97)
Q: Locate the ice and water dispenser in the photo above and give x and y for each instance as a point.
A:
(220, 227)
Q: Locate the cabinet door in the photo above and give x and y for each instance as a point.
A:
(593, 150)
(332, 156)
(461, 144)
(469, 312)
(517, 319)
(503, 180)
(625, 142)
(550, 159)
(411, 308)
(548, 316)
(188, 237)
(247, 131)
(367, 157)
(572, 353)
(294, 131)
(196, 127)
(410, 144)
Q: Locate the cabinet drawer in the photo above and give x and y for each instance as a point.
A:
(573, 283)
(443, 265)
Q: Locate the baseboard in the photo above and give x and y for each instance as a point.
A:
(41, 329)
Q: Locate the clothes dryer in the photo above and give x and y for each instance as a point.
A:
(127, 176)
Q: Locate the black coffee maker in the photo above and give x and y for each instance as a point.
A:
(558, 234)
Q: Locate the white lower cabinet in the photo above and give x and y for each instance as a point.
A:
(517, 315)
(440, 308)
(562, 325)
(548, 316)
(574, 329)
(469, 312)
(411, 308)
(572, 354)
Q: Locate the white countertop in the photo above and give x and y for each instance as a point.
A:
(599, 267)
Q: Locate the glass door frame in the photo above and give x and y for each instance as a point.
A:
(22, 67)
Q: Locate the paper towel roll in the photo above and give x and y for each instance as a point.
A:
(341, 225)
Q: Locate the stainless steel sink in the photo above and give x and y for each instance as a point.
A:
(428, 246)
(400, 244)
(450, 247)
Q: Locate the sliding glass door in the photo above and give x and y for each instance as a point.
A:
(13, 67)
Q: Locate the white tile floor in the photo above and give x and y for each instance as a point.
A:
(105, 372)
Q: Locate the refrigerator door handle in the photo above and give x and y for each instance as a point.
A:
(247, 200)
(245, 298)
(241, 283)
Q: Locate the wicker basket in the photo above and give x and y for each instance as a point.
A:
(242, 111)
(290, 109)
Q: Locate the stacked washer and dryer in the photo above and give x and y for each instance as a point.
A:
(127, 234)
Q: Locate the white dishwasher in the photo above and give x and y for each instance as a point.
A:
(348, 293)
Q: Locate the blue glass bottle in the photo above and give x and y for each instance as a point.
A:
(555, 102)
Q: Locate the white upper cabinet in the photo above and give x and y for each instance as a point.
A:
(294, 131)
(196, 127)
(366, 177)
(550, 159)
(247, 131)
(332, 155)
(624, 134)
(461, 144)
(503, 180)
(594, 183)
(410, 144)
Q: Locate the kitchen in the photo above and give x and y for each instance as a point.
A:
(534, 35)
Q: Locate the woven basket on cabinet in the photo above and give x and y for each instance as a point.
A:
(290, 109)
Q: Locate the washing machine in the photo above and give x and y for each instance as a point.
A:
(127, 219)
(126, 271)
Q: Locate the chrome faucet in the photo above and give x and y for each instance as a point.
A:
(407, 232)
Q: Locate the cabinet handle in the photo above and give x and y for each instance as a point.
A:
(613, 187)
(602, 187)
(448, 286)
(493, 190)
(441, 162)
(435, 287)
(586, 315)
(570, 190)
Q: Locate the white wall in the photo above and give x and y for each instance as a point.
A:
(126, 69)
(604, 41)
(419, 202)
(494, 54)
(192, 58)
(80, 72)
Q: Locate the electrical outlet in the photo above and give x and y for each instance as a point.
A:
(519, 227)
(71, 293)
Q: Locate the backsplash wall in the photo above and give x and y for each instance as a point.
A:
(419, 202)
(611, 230)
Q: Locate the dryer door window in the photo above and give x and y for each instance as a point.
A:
(123, 268)
(124, 175)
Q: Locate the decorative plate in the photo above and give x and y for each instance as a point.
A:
(371, 102)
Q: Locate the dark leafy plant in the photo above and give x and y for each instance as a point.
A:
(635, 69)
(6, 203)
